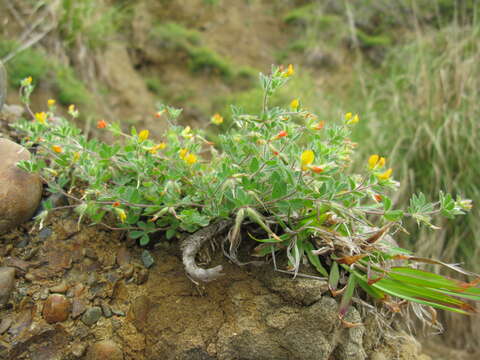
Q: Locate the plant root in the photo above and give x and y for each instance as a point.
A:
(192, 245)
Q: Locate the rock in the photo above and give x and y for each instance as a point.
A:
(92, 315)
(20, 192)
(142, 276)
(56, 308)
(78, 307)
(118, 312)
(7, 280)
(45, 233)
(107, 311)
(3, 85)
(13, 111)
(5, 324)
(123, 256)
(60, 288)
(140, 309)
(147, 259)
(78, 349)
(105, 350)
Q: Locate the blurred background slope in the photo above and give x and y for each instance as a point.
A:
(410, 68)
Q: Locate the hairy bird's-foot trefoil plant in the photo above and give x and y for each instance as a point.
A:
(279, 177)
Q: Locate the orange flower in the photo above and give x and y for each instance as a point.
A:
(378, 198)
(281, 134)
(116, 204)
(57, 149)
(316, 169)
(319, 126)
(101, 124)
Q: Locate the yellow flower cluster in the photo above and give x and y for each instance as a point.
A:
(217, 119)
(289, 72)
(189, 158)
(157, 147)
(143, 135)
(351, 119)
(41, 117)
(378, 162)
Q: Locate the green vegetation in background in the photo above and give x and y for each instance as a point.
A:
(200, 58)
(35, 63)
(93, 22)
(425, 99)
(69, 88)
(26, 63)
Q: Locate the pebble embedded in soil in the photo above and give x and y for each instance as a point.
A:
(20, 192)
(78, 349)
(60, 288)
(7, 280)
(107, 311)
(56, 308)
(92, 315)
(105, 350)
(147, 259)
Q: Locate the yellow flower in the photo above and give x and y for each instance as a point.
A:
(294, 104)
(143, 135)
(190, 159)
(57, 149)
(187, 133)
(121, 214)
(41, 117)
(183, 153)
(51, 102)
(375, 161)
(160, 146)
(307, 158)
(27, 81)
(352, 120)
(381, 162)
(289, 72)
(348, 116)
(386, 175)
(217, 119)
(71, 108)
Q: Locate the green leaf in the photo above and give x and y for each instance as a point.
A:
(334, 276)
(136, 234)
(144, 240)
(314, 259)
(254, 165)
(347, 296)
(393, 215)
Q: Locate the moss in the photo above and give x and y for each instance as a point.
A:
(302, 15)
(204, 59)
(26, 63)
(155, 86)
(70, 89)
(200, 57)
(176, 36)
(369, 41)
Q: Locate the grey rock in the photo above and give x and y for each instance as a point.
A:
(118, 312)
(92, 315)
(147, 259)
(7, 280)
(20, 192)
(107, 311)
(45, 233)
